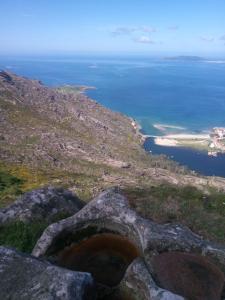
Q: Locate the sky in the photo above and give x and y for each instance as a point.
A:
(112, 26)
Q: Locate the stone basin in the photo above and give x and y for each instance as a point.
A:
(134, 258)
(192, 276)
(106, 256)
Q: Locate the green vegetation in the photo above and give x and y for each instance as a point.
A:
(21, 236)
(204, 214)
(161, 161)
(16, 179)
(201, 212)
(10, 186)
(24, 236)
(74, 89)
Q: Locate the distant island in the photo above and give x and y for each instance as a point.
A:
(185, 58)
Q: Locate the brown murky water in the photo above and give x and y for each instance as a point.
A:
(106, 256)
(189, 275)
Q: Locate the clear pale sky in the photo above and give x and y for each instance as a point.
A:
(116, 26)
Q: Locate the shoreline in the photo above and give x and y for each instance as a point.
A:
(75, 89)
(196, 160)
(137, 127)
(212, 142)
(164, 127)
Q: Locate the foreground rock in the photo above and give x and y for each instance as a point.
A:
(200, 264)
(41, 204)
(24, 277)
(138, 282)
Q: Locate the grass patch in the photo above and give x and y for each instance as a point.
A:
(10, 187)
(18, 179)
(204, 214)
(23, 236)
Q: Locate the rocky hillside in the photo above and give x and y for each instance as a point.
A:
(61, 137)
(60, 127)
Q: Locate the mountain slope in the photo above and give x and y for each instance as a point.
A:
(61, 136)
(55, 125)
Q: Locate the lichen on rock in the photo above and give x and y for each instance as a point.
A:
(24, 277)
(41, 204)
(110, 213)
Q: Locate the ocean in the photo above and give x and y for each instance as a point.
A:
(183, 93)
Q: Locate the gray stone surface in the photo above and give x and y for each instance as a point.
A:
(110, 212)
(41, 204)
(23, 277)
(139, 283)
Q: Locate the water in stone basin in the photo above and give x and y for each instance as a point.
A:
(106, 256)
(192, 276)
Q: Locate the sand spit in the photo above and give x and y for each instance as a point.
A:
(164, 127)
(181, 139)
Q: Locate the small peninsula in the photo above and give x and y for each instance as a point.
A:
(212, 142)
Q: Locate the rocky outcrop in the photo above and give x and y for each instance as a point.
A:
(110, 213)
(41, 204)
(139, 283)
(24, 277)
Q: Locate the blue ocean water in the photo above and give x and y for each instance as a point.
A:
(190, 94)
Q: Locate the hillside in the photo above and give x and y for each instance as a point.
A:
(60, 134)
(62, 130)
(60, 137)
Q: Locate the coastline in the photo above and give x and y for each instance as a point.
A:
(138, 129)
(177, 136)
(75, 89)
(183, 139)
(212, 142)
(197, 160)
(198, 142)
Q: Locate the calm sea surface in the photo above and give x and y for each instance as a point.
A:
(179, 93)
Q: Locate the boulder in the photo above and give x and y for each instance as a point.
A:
(139, 283)
(41, 204)
(110, 213)
(24, 277)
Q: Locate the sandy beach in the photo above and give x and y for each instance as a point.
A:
(175, 140)
(161, 141)
(188, 136)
